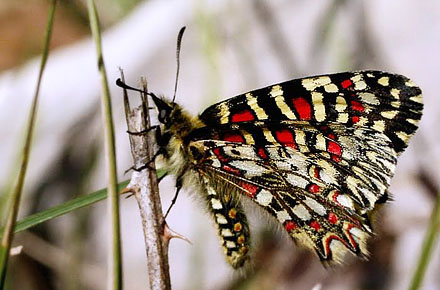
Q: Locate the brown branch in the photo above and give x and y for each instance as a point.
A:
(144, 185)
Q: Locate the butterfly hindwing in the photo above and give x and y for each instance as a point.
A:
(322, 221)
(359, 161)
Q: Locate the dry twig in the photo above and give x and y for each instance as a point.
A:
(144, 185)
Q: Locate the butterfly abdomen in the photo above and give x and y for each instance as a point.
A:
(220, 197)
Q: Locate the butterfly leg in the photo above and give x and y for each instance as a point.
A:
(231, 223)
(147, 164)
(178, 188)
(143, 132)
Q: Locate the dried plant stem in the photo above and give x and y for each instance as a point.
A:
(14, 205)
(144, 184)
(115, 256)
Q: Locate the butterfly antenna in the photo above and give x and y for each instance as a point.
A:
(123, 85)
(179, 42)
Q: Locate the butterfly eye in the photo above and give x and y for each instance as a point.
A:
(162, 115)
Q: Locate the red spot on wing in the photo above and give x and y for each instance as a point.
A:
(350, 237)
(345, 84)
(355, 119)
(303, 108)
(335, 196)
(243, 116)
(316, 173)
(331, 136)
(219, 155)
(336, 158)
(313, 188)
(262, 153)
(332, 218)
(290, 226)
(315, 225)
(233, 137)
(231, 170)
(334, 148)
(357, 106)
(329, 240)
(251, 189)
(285, 137)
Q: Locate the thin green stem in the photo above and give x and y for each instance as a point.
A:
(428, 246)
(67, 207)
(115, 262)
(14, 205)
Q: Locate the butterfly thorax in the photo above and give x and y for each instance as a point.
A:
(176, 156)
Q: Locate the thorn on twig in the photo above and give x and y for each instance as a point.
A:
(169, 234)
(132, 191)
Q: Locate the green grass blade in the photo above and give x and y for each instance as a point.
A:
(115, 253)
(8, 232)
(428, 246)
(62, 209)
(67, 207)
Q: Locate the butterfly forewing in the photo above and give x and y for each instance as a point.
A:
(388, 103)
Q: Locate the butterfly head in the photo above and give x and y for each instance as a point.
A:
(165, 109)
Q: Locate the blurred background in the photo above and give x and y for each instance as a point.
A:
(229, 47)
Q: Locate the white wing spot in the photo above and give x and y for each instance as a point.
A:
(412, 121)
(252, 102)
(369, 98)
(389, 114)
(311, 84)
(417, 99)
(384, 81)
(403, 136)
(395, 93)
(410, 83)
(277, 93)
(395, 104)
(264, 197)
(371, 155)
(296, 180)
(315, 206)
(301, 212)
(361, 85)
(300, 137)
(282, 216)
(341, 104)
(240, 151)
(345, 200)
(379, 125)
(320, 142)
(331, 88)
(224, 112)
(216, 163)
(250, 168)
(319, 108)
(342, 118)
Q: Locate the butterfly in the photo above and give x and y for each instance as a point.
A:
(316, 154)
